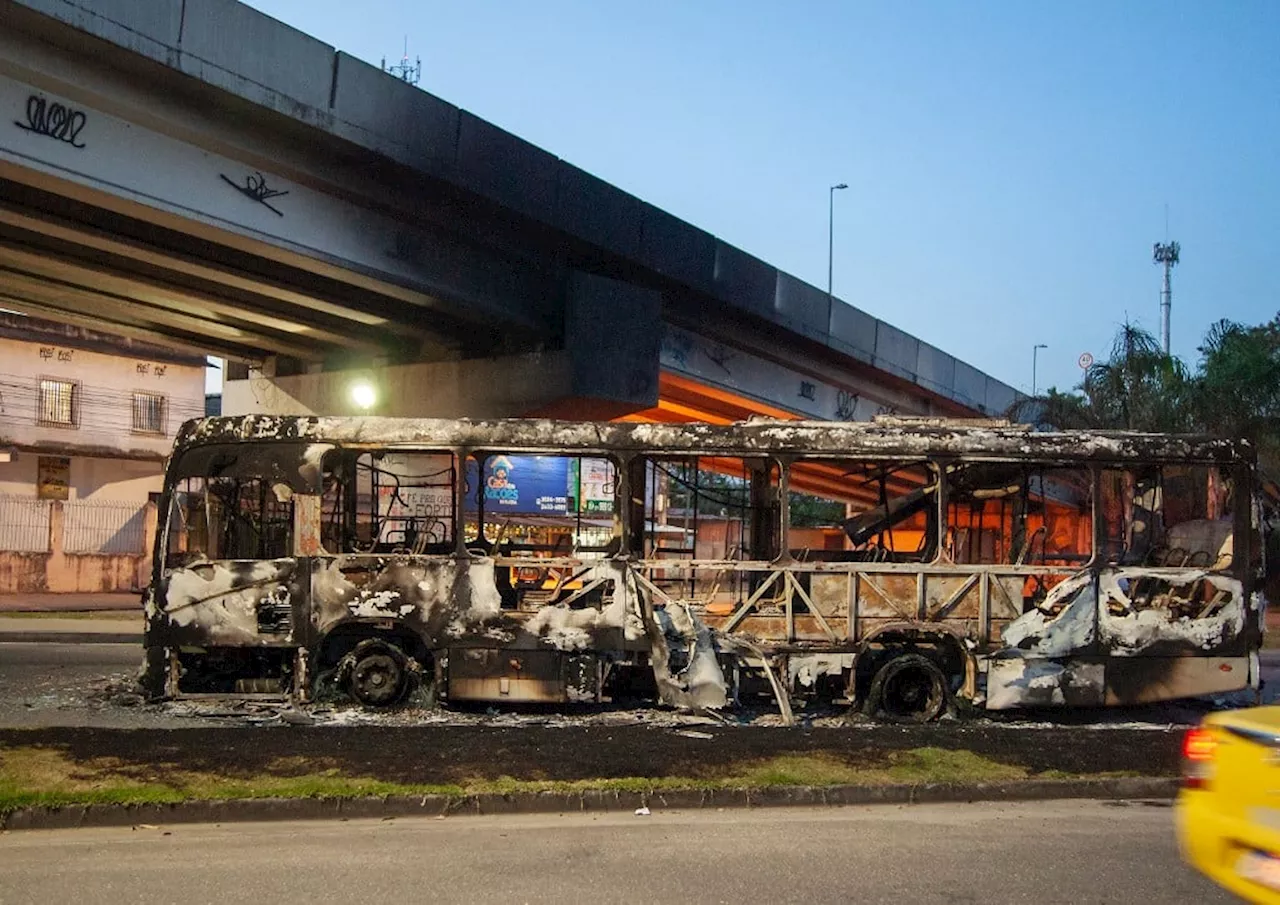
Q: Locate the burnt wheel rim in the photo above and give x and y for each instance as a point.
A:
(377, 679)
(912, 692)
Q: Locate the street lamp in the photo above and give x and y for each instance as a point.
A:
(363, 395)
(831, 231)
(1035, 350)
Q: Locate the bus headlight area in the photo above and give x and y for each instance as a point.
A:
(901, 569)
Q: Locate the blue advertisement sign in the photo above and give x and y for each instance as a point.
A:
(536, 485)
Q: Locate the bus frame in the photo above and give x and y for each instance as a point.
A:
(468, 618)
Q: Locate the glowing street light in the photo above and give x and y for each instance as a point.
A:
(363, 395)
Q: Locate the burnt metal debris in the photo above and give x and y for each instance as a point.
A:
(271, 579)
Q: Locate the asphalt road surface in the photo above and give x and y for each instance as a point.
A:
(75, 698)
(65, 685)
(1043, 852)
(81, 685)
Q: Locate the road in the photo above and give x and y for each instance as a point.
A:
(76, 699)
(1069, 852)
(68, 685)
(48, 685)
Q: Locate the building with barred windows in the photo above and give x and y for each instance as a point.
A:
(86, 422)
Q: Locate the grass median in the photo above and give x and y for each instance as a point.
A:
(33, 775)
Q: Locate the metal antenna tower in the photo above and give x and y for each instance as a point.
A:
(1166, 253)
(403, 70)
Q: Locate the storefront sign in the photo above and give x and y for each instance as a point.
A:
(544, 485)
(531, 485)
(53, 477)
(593, 482)
(417, 490)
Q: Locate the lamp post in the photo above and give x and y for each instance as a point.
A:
(831, 231)
(1035, 350)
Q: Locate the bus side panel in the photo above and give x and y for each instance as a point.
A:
(232, 603)
(1142, 680)
(1157, 634)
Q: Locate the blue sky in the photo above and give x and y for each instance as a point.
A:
(1009, 163)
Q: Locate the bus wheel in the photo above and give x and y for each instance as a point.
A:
(910, 688)
(378, 673)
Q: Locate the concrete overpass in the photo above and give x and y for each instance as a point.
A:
(196, 173)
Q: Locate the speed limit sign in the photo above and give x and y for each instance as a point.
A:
(1085, 361)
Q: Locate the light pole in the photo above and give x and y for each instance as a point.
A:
(831, 231)
(1035, 350)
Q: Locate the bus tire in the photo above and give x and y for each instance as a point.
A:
(910, 688)
(378, 676)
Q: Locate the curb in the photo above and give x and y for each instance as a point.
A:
(70, 637)
(265, 809)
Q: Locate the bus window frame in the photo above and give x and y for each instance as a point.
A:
(634, 541)
(351, 453)
(480, 547)
(1094, 470)
(929, 463)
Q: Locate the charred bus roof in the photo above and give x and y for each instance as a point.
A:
(898, 437)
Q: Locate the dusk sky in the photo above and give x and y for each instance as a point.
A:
(1009, 163)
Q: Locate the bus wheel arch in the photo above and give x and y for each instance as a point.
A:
(912, 672)
(377, 664)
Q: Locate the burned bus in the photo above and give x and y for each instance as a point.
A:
(902, 566)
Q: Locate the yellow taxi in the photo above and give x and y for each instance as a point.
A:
(1228, 811)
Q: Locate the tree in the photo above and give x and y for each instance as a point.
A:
(1138, 387)
(1238, 385)
(1235, 391)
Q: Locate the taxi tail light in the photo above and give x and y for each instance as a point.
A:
(1199, 750)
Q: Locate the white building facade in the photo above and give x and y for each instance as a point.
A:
(85, 416)
(86, 423)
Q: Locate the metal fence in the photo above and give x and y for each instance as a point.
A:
(106, 527)
(24, 525)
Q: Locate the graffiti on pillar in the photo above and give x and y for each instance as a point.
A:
(255, 189)
(808, 390)
(846, 405)
(719, 356)
(677, 347)
(53, 120)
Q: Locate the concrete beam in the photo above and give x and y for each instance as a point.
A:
(177, 300)
(477, 388)
(200, 346)
(211, 271)
(75, 299)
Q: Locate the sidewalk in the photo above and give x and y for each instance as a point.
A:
(74, 603)
(119, 629)
(71, 618)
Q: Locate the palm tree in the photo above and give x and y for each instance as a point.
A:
(1138, 387)
(1238, 387)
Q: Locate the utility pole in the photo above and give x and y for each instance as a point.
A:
(1035, 351)
(1166, 253)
